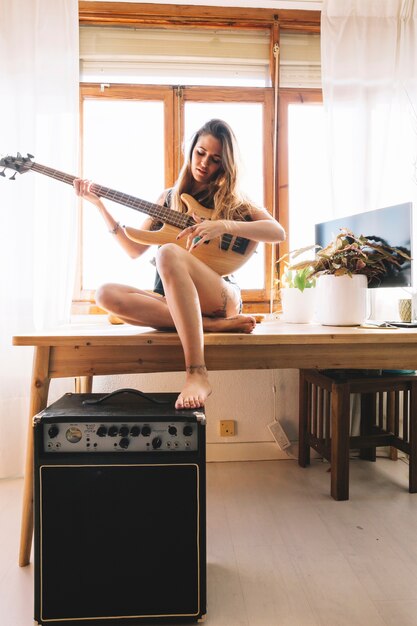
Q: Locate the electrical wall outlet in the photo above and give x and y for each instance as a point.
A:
(227, 428)
(279, 435)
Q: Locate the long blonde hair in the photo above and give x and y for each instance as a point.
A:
(223, 193)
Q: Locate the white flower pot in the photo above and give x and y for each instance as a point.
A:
(298, 306)
(341, 300)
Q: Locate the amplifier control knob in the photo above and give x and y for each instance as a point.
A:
(172, 430)
(53, 431)
(188, 431)
(74, 434)
(156, 443)
(124, 443)
(135, 431)
(146, 431)
(113, 431)
(101, 431)
(124, 431)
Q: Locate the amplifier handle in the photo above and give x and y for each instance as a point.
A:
(125, 390)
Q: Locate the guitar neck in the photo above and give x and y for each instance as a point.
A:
(161, 213)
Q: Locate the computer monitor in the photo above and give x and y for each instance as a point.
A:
(391, 225)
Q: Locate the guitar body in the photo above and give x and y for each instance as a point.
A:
(224, 254)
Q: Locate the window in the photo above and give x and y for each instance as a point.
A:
(137, 113)
(304, 179)
(240, 116)
(138, 166)
(123, 148)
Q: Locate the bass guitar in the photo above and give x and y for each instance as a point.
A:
(224, 254)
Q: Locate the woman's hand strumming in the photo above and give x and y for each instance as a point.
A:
(204, 230)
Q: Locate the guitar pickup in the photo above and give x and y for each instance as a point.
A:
(240, 245)
(226, 240)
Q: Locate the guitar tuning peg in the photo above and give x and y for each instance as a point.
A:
(13, 177)
(30, 156)
(19, 156)
(2, 173)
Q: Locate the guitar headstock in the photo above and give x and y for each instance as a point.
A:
(18, 163)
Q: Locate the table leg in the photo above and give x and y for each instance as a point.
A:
(84, 384)
(38, 401)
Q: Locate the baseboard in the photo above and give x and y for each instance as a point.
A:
(250, 451)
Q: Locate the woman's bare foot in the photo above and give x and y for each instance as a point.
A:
(113, 319)
(236, 324)
(196, 389)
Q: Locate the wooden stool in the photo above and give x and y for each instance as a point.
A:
(324, 420)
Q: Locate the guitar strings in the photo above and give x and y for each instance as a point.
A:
(165, 214)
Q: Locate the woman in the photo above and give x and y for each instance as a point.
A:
(189, 296)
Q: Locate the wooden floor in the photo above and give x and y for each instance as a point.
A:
(281, 552)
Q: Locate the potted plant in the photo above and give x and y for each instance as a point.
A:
(344, 269)
(297, 290)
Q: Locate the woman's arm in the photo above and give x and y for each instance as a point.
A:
(263, 227)
(132, 248)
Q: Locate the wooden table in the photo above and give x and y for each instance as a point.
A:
(92, 349)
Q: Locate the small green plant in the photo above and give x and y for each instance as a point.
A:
(297, 277)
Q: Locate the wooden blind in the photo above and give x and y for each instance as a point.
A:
(176, 55)
(300, 65)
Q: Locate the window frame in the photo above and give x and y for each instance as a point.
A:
(169, 15)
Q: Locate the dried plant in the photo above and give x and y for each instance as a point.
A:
(350, 254)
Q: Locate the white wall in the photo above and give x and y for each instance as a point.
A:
(246, 396)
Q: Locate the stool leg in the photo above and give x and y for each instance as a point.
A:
(340, 441)
(413, 439)
(368, 418)
(303, 422)
(391, 413)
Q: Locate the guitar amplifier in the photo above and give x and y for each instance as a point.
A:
(120, 511)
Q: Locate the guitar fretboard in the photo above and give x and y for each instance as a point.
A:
(161, 213)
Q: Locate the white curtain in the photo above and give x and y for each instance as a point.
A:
(39, 115)
(369, 74)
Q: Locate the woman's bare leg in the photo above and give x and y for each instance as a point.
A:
(197, 300)
(135, 306)
(184, 305)
(197, 297)
(143, 308)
